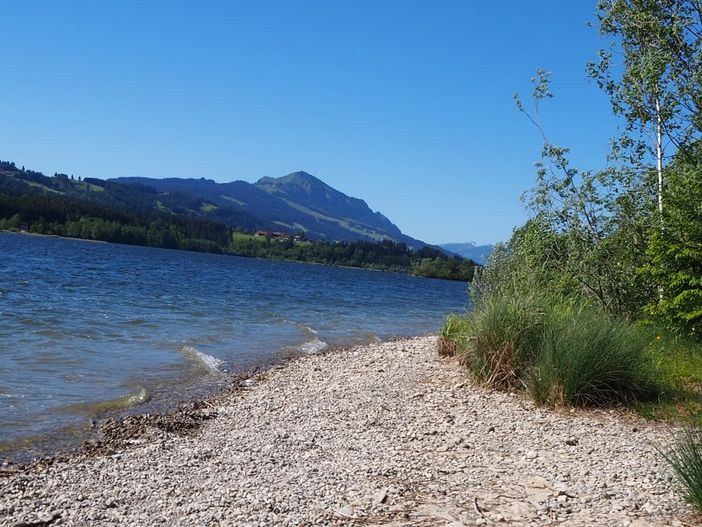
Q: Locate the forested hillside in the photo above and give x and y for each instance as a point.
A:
(134, 214)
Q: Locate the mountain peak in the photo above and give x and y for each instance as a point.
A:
(298, 201)
(299, 178)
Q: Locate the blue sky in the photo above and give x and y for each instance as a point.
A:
(405, 104)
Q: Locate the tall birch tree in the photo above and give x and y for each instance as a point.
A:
(651, 70)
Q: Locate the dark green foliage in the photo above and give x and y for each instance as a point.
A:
(386, 255)
(685, 458)
(676, 249)
(43, 214)
(133, 197)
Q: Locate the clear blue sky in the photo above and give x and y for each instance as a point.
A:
(406, 104)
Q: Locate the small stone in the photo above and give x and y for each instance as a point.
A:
(380, 496)
(571, 441)
(48, 517)
(531, 455)
(345, 511)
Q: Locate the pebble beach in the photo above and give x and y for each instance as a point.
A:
(383, 434)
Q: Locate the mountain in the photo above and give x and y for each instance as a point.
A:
(296, 202)
(129, 197)
(477, 253)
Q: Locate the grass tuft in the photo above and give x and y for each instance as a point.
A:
(561, 353)
(685, 458)
(499, 337)
(586, 358)
(451, 335)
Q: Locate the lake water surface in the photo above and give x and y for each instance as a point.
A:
(91, 328)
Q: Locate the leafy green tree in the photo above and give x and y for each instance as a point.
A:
(589, 231)
(652, 72)
(676, 250)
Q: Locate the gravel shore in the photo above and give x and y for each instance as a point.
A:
(385, 434)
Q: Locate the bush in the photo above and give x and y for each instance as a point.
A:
(685, 458)
(499, 338)
(562, 353)
(587, 358)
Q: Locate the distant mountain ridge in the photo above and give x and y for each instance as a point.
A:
(296, 202)
(477, 253)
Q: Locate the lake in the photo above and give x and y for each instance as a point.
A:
(88, 329)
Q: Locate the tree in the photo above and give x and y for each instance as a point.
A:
(676, 251)
(589, 230)
(652, 72)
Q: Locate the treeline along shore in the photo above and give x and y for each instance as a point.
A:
(47, 211)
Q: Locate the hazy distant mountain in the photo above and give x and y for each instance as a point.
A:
(477, 253)
(296, 202)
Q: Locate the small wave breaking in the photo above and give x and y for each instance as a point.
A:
(203, 360)
(138, 397)
(135, 398)
(312, 346)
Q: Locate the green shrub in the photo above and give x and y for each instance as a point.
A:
(585, 357)
(500, 336)
(685, 458)
(561, 352)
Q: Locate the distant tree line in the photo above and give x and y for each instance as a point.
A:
(44, 214)
(385, 255)
(57, 215)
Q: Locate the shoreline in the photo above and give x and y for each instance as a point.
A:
(385, 433)
(116, 427)
(39, 235)
(225, 253)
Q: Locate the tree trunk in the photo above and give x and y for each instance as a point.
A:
(659, 155)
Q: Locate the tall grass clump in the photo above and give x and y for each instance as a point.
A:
(501, 335)
(685, 458)
(453, 335)
(587, 358)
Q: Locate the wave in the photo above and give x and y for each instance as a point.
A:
(312, 346)
(203, 360)
(135, 398)
(138, 397)
(306, 328)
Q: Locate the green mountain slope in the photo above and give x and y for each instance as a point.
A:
(296, 202)
(130, 197)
